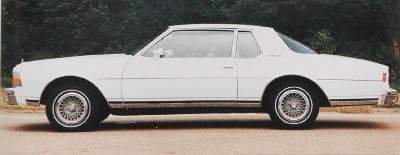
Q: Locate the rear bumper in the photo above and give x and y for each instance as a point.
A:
(392, 97)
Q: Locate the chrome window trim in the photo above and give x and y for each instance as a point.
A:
(169, 31)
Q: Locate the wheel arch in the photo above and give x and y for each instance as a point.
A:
(323, 99)
(70, 79)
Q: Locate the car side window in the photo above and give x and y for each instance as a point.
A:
(195, 44)
(247, 46)
(296, 46)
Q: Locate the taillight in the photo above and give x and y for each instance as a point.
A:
(384, 77)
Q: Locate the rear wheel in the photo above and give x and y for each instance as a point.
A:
(293, 105)
(72, 108)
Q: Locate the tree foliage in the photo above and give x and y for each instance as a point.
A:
(39, 29)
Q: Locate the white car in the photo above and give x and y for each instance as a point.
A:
(202, 68)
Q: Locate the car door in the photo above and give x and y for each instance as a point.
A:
(192, 66)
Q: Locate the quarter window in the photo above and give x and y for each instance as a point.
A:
(195, 44)
(296, 46)
(247, 46)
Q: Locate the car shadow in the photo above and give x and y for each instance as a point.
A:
(236, 124)
(208, 124)
(349, 125)
(33, 127)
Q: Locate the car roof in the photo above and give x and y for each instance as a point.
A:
(218, 26)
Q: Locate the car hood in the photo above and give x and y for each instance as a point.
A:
(343, 68)
(101, 57)
(107, 65)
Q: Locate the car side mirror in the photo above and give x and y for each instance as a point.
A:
(158, 53)
(168, 53)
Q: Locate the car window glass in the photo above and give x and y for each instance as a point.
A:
(247, 46)
(195, 44)
(296, 46)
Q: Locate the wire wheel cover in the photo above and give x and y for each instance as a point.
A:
(294, 105)
(71, 108)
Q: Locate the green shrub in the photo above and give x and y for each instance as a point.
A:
(6, 82)
(322, 42)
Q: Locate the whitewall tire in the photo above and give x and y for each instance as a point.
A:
(72, 108)
(293, 105)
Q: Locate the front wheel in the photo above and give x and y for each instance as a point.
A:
(72, 108)
(293, 105)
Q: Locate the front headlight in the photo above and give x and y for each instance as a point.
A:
(16, 81)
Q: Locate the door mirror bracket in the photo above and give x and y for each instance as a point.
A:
(158, 53)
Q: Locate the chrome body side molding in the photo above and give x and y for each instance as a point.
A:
(34, 103)
(186, 104)
(249, 104)
(354, 102)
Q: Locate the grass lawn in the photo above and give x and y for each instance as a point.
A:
(2, 95)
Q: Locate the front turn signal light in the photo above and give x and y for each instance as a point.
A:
(384, 77)
(16, 81)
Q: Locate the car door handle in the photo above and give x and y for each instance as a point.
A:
(228, 67)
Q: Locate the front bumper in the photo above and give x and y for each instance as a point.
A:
(392, 97)
(10, 97)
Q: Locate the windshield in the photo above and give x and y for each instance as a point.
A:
(145, 43)
(296, 46)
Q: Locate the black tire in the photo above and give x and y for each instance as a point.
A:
(104, 114)
(72, 107)
(293, 105)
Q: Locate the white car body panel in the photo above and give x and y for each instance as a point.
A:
(36, 75)
(179, 79)
(347, 78)
(125, 78)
